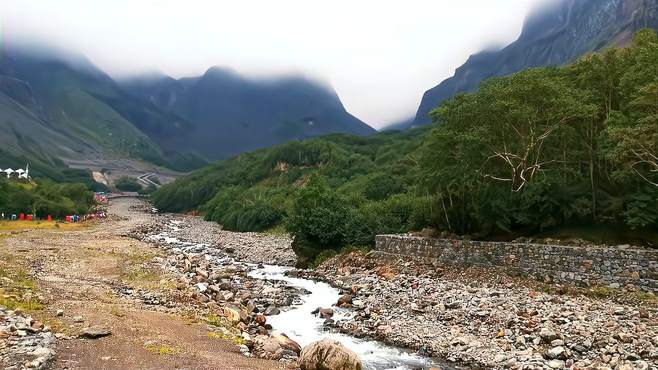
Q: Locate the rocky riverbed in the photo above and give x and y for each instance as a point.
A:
(188, 231)
(244, 289)
(475, 317)
(490, 320)
(214, 264)
(251, 295)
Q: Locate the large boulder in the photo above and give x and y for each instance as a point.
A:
(285, 342)
(328, 354)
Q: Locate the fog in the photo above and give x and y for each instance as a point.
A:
(379, 55)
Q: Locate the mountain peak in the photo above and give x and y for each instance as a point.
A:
(555, 34)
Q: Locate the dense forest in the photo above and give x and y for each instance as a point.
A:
(44, 198)
(541, 149)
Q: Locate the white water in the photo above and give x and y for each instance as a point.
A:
(303, 327)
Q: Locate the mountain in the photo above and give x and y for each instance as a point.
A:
(554, 35)
(232, 114)
(57, 107)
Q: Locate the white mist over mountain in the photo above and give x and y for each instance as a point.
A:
(380, 56)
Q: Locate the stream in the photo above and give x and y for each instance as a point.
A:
(303, 327)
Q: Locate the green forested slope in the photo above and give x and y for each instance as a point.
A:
(55, 106)
(44, 198)
(543, 148)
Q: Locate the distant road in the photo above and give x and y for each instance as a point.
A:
(125, 194)
(146, 179)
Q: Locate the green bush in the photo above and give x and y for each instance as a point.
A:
(127, 184)
(44, 198)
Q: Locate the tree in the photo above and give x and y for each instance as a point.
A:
(318, 215)
(127, 184)
(633, 135)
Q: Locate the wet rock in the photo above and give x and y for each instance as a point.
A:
(260, 319)
(328, 354)
(324, 313)
(272, 311)
(345, 300)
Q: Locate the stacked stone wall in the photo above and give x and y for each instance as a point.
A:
(583, 266)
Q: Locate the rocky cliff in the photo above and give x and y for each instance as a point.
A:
(553, 35)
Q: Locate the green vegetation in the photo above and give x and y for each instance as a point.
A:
(17, 289)
(128, 184)
(44, 198)
(542, 149)
(551, 146)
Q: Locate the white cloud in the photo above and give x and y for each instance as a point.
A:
(379, 55)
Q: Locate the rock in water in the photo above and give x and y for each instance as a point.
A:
(328, 354)
(345, 300)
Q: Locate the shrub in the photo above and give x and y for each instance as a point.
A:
(127, 184)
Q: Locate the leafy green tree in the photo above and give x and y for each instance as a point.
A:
(318, 215)
(127, 184)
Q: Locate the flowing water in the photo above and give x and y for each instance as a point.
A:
(303, 327)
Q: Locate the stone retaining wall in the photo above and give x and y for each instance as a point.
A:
(583, 266)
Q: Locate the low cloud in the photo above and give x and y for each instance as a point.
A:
(380, 56)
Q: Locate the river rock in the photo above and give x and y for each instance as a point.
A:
(271, 311)
(285, 342)
(547, 334)
(260, 319)
(324, 313)
(556, 352)
(269, 345)
(328, 354)
(232, 315)
(345, 300)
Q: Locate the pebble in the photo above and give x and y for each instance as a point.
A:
(486, 324)
(407, 303)
(31, 347)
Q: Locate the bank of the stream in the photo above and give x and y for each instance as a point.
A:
(475, 317)
(290, 314)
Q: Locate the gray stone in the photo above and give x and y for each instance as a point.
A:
(94, 332)
(556, 364)
(556, 352)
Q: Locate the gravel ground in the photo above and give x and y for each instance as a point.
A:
(487, 319)
(103, 300)
(240, 246)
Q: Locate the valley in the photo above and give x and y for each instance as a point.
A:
(167, 287)
(207, 200)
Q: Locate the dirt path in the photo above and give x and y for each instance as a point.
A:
(83, 272)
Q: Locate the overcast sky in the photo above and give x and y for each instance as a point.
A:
(379, 55)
